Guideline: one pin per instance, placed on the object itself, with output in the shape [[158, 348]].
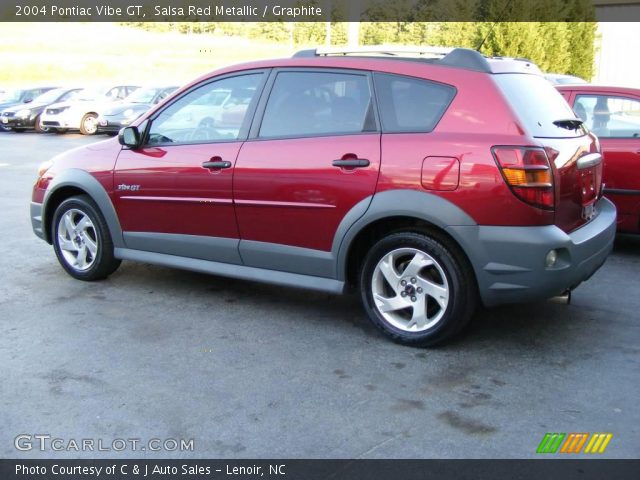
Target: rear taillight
[[528, 173]]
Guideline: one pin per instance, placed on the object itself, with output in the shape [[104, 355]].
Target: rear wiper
[[569, 123]]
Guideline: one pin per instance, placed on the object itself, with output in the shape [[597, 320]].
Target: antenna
[[499, 19]]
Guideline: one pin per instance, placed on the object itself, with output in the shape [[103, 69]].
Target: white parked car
[[82, 112]]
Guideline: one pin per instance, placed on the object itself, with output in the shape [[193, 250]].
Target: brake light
[[42, 169], [527, 171]]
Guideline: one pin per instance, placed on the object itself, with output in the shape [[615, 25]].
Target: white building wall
[[618, 57]]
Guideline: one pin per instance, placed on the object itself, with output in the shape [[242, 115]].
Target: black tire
[[39, 128], [84, 128], [99, 265], [441, 258], [5, 129]]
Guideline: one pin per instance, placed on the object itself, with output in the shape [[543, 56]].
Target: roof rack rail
[[385, 50], [452, 57]]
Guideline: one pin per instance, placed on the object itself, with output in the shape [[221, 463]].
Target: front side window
[[409, 104], [609, 116], [303, 104], [214, 112]]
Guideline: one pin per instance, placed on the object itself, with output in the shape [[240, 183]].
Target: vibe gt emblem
[[130, 188]]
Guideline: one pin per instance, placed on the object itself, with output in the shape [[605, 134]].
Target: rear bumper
[[36, 220], [509, 262]]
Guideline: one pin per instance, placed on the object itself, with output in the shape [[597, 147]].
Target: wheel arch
[[394, 211], [79, 182]]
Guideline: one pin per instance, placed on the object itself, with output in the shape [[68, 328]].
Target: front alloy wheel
[[82, 241], [78, 239], [89, 124]]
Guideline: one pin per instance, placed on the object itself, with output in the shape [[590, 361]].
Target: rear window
[[410, 104], [538, 104]]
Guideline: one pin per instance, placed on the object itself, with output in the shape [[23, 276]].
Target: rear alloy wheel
[[82, 241], [416, 290], [89, 124]]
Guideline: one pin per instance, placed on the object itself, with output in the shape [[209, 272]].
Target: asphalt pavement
[[247, 370]]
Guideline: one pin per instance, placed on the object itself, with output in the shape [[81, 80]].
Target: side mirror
[[28, 100], [129, 137]]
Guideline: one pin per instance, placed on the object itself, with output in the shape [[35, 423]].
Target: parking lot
[[256, 371]]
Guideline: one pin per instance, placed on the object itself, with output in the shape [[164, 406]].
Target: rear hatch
[[573, 152]]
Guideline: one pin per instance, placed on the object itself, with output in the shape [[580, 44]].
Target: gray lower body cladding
[[509, 262], [36, 220]]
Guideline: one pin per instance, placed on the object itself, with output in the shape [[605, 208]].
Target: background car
[[114, 117], [613, 114], [82, 112], [17, 96], [562, 79], [22, 117]]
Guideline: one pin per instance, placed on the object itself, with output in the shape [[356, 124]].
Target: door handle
[[351, 163], [217, 164]]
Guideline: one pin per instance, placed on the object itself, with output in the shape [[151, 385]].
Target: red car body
[[620, 147], [502, 178]]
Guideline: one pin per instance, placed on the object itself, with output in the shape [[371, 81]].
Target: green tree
[[560, 47], [581, 38]]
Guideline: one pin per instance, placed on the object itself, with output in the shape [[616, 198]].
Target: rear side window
[[538, 105], [410, 104], [303, 104]]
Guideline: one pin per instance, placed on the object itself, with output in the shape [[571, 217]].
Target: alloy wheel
[[77, 239], [410, 289]]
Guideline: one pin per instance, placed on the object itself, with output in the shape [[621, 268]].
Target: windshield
[[91, 93], [142, 95], [12, 95], [50, 96], [538, 105]]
